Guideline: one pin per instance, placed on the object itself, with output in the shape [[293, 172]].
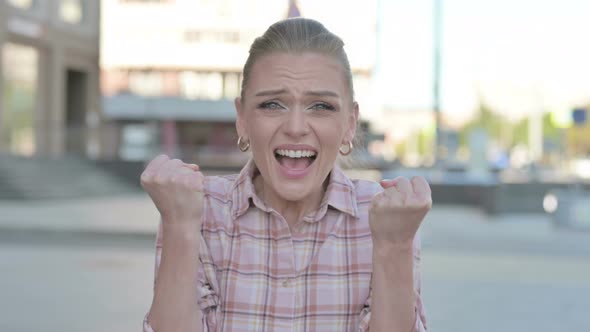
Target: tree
[[494, 124]]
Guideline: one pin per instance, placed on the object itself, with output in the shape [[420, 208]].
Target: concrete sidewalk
[[132, 214], [136, 214], [134, 217]]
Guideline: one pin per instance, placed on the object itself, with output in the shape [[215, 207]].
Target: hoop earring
[[348, 149], [241, 145]]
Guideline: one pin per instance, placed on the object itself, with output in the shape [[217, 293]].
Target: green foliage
[[501, 130], [549, 130], [487, 119]]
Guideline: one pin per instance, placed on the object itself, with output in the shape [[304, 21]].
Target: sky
[[517, 56]]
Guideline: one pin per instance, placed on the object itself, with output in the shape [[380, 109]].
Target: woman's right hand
[[176, 189]]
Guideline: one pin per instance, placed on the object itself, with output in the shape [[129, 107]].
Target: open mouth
[[295, 160]]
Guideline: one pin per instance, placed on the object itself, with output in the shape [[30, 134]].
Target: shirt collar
[[243, 193], [340, 194]]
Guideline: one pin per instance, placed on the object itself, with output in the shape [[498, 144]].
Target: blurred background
[[489, 100]]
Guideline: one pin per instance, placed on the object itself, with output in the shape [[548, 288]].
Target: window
[[71, 11], [231, 85], [20, 65], [206, 86], [23, 4], [195, 36], [146, 83]]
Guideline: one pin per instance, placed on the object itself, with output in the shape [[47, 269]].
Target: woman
[[290, 243]]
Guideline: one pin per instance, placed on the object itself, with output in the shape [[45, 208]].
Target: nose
[[296, 124]]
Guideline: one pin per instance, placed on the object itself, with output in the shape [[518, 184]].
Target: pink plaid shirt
[[258, 275]]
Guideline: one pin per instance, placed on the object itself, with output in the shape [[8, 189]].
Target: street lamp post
[[437, 40]]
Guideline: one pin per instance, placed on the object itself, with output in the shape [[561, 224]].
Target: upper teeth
[[296, 153]]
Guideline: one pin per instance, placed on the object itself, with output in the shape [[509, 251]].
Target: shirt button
[[286, 283]]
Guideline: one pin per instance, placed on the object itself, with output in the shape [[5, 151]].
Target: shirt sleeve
[[420, 323], [207, 293]]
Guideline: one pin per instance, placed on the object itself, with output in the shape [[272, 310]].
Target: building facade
[[170, 69], [49, 78]]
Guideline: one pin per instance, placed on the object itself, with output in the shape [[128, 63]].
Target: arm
[[395, 216], [396, 289], [176, 189], [175, 306]]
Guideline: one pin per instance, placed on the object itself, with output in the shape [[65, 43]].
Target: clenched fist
[[176, 189], [397, 212]]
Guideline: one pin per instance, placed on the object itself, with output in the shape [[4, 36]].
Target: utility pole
[[437, 41], [536, 125]]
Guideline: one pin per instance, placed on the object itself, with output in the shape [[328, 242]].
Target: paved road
[[73, 288], [514, 273]]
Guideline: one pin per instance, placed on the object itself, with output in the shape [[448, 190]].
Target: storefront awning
[[131, 107]]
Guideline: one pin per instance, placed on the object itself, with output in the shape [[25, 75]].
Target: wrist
[[181, 231], [178, 242], [388, 249]]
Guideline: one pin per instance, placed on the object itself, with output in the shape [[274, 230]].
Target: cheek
[[331, 133], [261, 133]]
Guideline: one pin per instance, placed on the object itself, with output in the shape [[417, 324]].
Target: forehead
[[297, 72]]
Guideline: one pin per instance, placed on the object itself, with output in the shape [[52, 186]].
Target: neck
[[292, 211]]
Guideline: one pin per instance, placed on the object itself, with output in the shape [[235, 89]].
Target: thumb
[[388, 183], [194, 167]]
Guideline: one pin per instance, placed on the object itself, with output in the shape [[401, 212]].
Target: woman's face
[[296, 113]]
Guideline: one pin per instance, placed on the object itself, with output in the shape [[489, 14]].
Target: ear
[[240, 119], [352, 121]]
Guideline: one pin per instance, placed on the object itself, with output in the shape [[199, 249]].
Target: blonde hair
[[298, 35]]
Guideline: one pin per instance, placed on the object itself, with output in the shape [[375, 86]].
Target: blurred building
[[170, 70], [578, 135], [49, 77]]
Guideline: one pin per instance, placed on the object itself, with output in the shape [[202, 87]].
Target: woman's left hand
[[396, 213]]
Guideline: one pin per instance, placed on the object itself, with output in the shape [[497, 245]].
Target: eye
[[323, 107], [270, 105]]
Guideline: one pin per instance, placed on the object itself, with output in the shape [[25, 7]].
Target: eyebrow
[[322, 93], [319, 93], [271, 92]]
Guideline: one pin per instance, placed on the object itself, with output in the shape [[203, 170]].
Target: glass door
[[20, 68]]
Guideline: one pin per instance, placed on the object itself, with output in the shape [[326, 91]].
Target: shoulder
[[220, 187], [364, 191], [219, 200]]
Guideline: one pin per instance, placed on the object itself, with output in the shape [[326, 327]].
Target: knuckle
[[418, 180], [160, 179], [379, 202], [377, 196], [403, 182], [177, 179], [181, 171], [145, 177], [144, 183], [159, 157], [389, 191]]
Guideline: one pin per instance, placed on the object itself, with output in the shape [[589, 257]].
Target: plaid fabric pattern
[[258, 275]]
